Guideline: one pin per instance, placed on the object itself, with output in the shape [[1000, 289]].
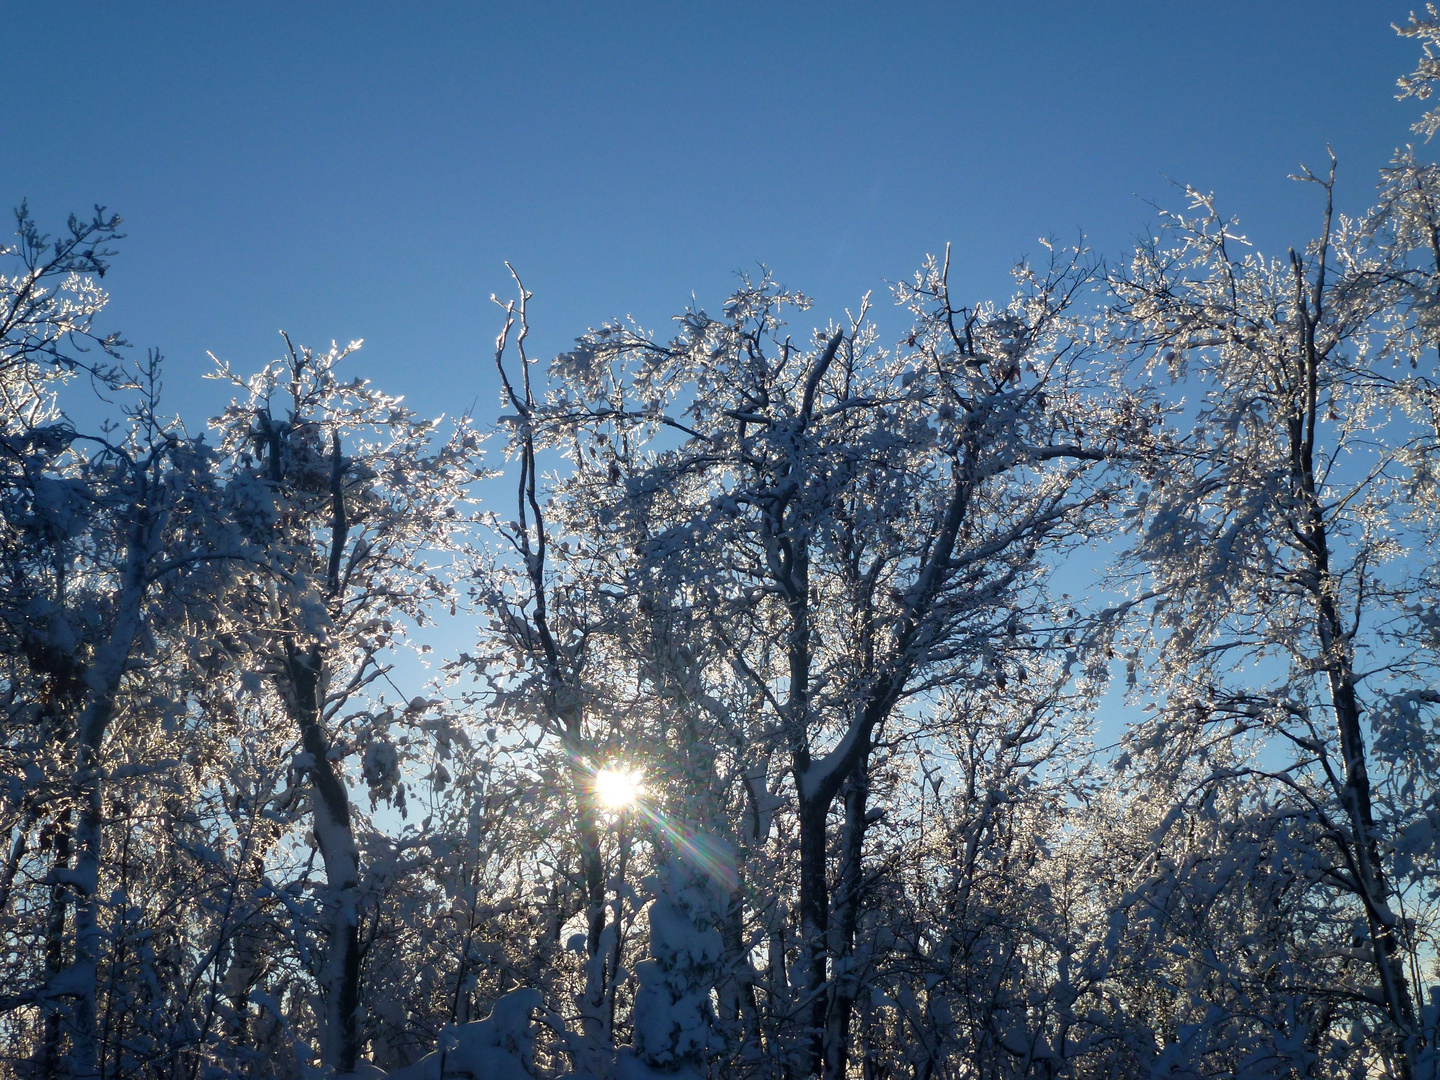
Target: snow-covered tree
[[862, 528], [348, 493], [104, 532], [1284, 552]]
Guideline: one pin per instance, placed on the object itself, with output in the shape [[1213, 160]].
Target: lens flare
[[617, 788]]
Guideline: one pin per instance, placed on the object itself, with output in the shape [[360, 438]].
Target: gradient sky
[[363, 170]]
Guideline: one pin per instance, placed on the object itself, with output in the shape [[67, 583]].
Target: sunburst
[[617, 787]]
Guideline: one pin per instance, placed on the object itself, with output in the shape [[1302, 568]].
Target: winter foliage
[[773, 749]]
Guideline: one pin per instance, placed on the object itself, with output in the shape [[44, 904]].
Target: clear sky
[[363, 169]]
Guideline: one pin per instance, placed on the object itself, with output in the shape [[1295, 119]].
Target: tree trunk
[[1337, 663], [18, 847], [103, 680], [736, 991], [595, 999], [844, 981], [1355, 795], [814, 929], [55, 944], [330, 818]]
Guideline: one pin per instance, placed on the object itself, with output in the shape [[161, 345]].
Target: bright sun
[[617, 788]]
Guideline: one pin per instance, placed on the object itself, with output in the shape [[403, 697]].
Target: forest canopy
[[794, 733]]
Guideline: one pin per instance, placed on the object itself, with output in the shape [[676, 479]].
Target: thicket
[[773, 750]]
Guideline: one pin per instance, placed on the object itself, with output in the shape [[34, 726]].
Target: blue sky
[[362, 170]]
